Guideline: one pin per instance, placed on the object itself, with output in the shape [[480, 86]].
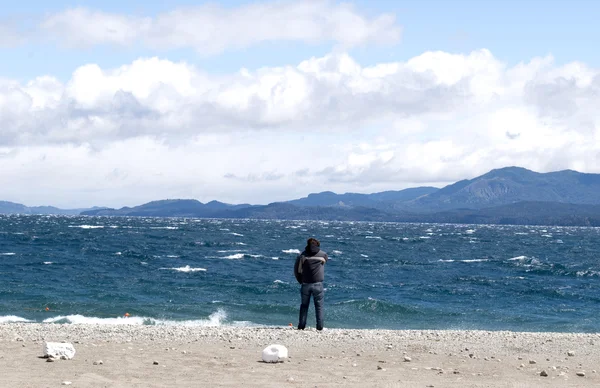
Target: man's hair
[[312, 240]]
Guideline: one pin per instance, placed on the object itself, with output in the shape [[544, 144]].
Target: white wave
[[172, 256], [290, 251], [518, 258], [217, 318], [329, 236], [337, 252], [118, 253], [522, 233], [239, 243], [279, 281], [547, 235], [374, 237], [424, 237], [87, 226], [559, 241], [8, 254], [447, 261], [275, 258], [236, 234], [474, 260], [224, 229], [143, 263], [255, 256], [48, 262], [230, 250], [234, 257], [364, 255], [470, 231], [187, 268], [12, 318], [165, 227]]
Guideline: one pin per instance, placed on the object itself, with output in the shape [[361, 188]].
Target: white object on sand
[[274, 353], [63, 350]]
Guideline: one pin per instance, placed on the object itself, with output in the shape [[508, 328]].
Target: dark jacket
[[310, 267]]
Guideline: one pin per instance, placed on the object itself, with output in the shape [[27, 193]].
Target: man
[[309, 270]]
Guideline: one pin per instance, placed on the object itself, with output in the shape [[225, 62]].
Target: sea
[[221, 272]]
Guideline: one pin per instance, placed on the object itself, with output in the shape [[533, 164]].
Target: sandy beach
[[177, 356]]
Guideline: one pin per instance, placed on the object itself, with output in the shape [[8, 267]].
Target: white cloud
[[212, 29], [158, 129]]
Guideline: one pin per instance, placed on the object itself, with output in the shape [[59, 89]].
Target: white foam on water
[[329, 236], [187, 268], [279, 281], [446, 261], [217, 318], [290, 251], [230, 250], [364, 255], [374, 237], [337, 252], [239, 243], [8, 254], [518, 258], [172, 256], [522, 233], [237, 256], [474, 260], [165, 227], [87, 226], [48, 262], [143, 263], [275, 258], [470, 231], [255, 256], [547, 235], [424, 237], [12, 318], [224, 229], [236, 234], [118, 253]]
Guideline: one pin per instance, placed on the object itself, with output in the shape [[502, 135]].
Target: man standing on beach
[[309, 270]]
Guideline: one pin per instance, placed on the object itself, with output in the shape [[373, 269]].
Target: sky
[[109, 103]]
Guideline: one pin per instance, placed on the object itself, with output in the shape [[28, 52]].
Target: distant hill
[[382, 200], [169, 208], [511, 185], [510, 195], [17, 208]]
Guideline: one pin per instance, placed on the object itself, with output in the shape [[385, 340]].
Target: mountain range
[[510, 195]]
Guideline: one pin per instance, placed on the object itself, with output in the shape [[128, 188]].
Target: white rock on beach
[[64, 351], [274, 353]]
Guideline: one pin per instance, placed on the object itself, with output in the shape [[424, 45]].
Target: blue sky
[[119, 103], [513, 30]]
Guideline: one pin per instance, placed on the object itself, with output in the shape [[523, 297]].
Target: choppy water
[[239, 272]]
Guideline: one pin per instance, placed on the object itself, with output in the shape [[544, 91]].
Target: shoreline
[[231, 356]]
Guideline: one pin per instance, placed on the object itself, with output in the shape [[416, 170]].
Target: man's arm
[[298, 269]]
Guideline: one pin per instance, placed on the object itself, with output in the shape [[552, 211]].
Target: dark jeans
[[316, 290]]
